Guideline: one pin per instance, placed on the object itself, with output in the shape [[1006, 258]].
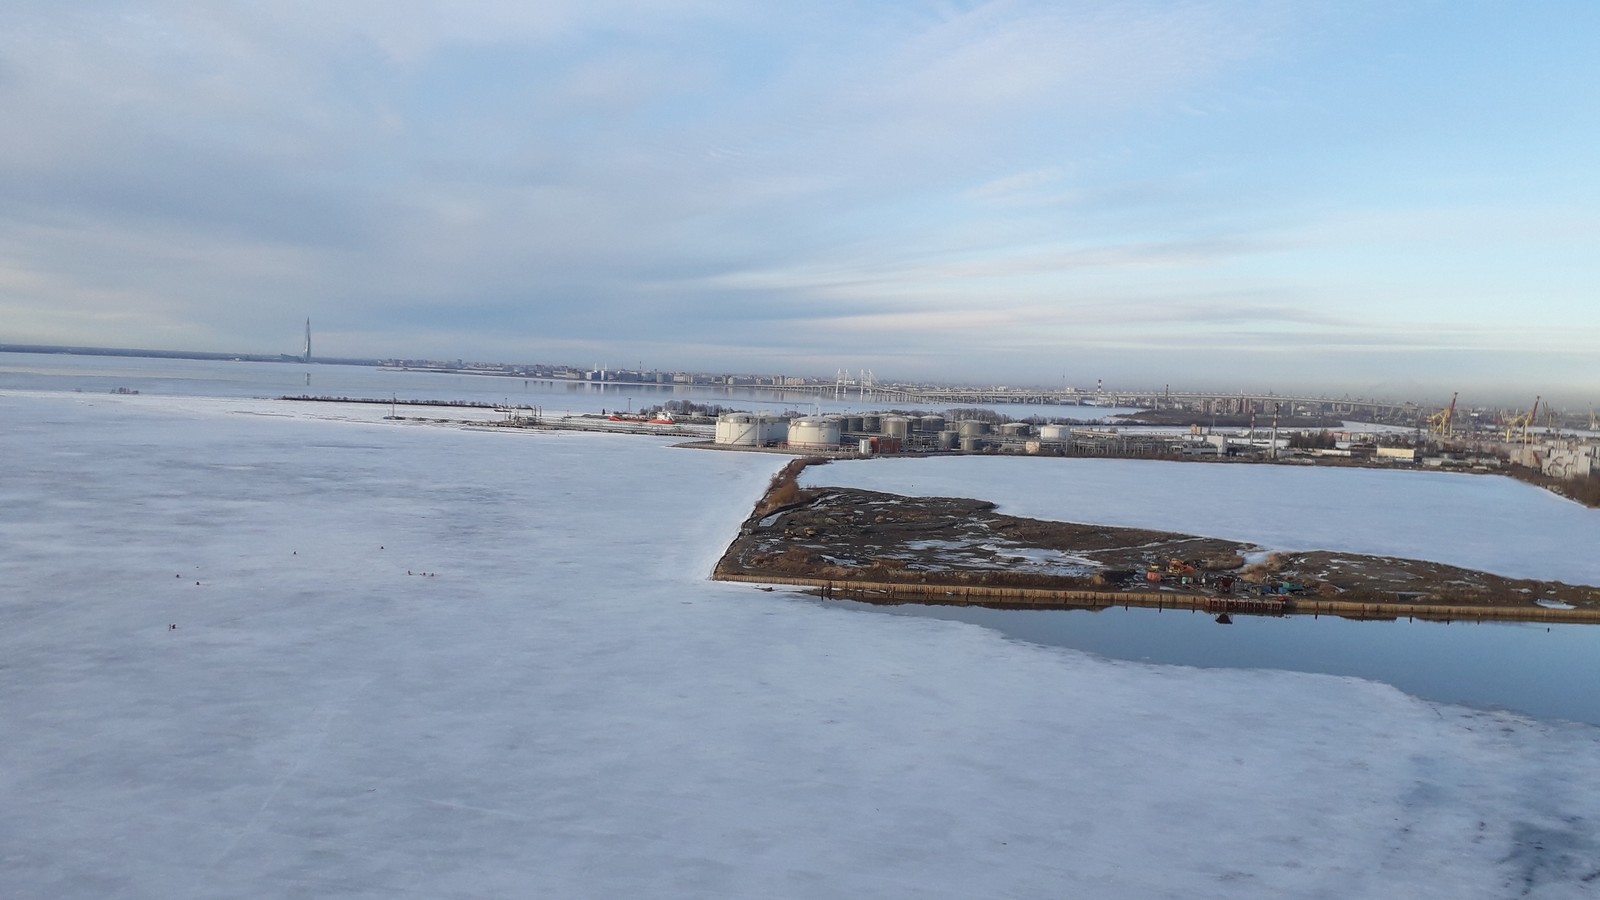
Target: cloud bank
[[1225, 194]]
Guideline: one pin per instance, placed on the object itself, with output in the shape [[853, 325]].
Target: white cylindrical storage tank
[[972, 428], [930, 424], [814, 434], [1053, 432], [771, 430], [896, 426], [738, 429], [1014, 429], [972, 444], [865, 447], [949, 439]]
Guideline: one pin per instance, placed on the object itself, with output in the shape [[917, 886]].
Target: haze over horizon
[[1384, 199]]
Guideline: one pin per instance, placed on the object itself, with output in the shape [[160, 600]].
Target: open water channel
[[1543, 671]]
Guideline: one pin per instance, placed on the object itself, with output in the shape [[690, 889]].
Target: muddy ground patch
[[847, 534]]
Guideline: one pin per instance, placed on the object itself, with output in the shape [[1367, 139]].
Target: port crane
[[1441, 423], [1517, 427]]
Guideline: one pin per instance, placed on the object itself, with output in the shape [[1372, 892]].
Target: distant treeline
[[687, 408], [1321, 440]]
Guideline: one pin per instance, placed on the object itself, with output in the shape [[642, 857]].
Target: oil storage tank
[[814, 434], [1014, 429], [773, 430], [896, 427], [1054, 432], [949, 439], [871, 424], [930, 424], [972, 428], [737, 430], [751, 429]]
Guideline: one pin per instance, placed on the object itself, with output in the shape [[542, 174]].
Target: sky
[[1391, 199]]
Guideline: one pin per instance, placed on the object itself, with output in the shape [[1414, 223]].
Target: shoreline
[[1532, 479], [891, 549], [995, 597]]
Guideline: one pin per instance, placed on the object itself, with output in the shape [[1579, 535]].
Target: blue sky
[[1395, 198]]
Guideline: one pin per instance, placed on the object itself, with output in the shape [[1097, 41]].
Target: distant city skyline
[[622, 376], [1380, 199]]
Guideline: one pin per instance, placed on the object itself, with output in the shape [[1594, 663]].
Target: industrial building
[[1574, 460], [868, 435]]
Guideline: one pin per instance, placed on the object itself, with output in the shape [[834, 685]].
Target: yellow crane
[[1440, 423], [1517, 427]]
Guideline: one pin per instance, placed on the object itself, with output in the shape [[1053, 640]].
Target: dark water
[[1546, 671]]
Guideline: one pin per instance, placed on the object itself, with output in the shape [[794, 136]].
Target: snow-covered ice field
[[567, 708]]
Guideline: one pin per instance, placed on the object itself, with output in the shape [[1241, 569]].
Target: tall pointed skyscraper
[[308, 340]]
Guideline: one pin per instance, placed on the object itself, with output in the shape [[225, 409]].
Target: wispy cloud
[[709, 181]]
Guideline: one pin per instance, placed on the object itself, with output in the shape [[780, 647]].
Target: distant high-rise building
[[308, 340]]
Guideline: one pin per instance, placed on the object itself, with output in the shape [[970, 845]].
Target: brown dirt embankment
[[844, 536]]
